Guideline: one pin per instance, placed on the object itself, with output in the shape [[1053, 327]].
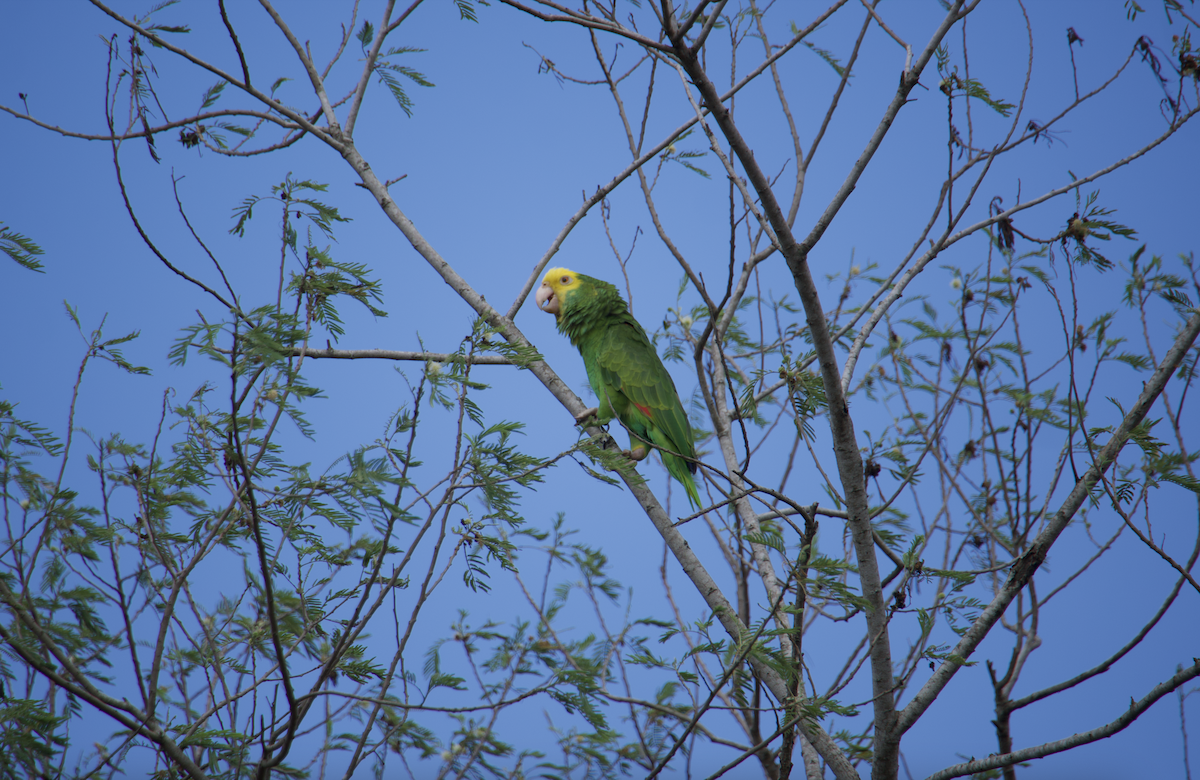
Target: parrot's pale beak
[[546, 300]]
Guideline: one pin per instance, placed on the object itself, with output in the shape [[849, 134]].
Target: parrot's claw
[[583, 416], [636, 453]]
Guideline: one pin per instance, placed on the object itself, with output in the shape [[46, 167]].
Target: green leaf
[[1183, 480], [466, 9], [366, 34], [212, 94], [974, 89], [824, 54], [20, 248]]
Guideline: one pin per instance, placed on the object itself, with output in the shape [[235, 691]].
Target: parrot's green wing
[[638, 387]]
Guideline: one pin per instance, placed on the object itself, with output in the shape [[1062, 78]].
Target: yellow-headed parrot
[[623, 369]]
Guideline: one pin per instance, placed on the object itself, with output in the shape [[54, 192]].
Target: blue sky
[[497, 158]]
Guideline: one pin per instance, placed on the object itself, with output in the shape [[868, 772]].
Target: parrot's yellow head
[[556, 285]]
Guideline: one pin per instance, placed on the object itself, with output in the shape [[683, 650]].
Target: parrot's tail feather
[[682, 471], [693, 494]]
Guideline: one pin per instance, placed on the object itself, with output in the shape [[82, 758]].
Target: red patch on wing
[[642, 408]]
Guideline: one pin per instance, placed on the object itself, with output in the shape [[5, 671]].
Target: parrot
[[623, 369]]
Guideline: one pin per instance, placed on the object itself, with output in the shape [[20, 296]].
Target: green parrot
[[623, 369]]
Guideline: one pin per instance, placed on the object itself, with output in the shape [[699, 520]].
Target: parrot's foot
[[636, 453], [583, 416]]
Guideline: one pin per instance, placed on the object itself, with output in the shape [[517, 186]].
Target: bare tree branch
[[1136, 708], [1031, 560]]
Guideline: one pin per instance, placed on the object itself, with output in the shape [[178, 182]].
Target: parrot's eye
[[565, 280]]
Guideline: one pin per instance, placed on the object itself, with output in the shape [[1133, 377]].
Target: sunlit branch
[[318, 84]]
